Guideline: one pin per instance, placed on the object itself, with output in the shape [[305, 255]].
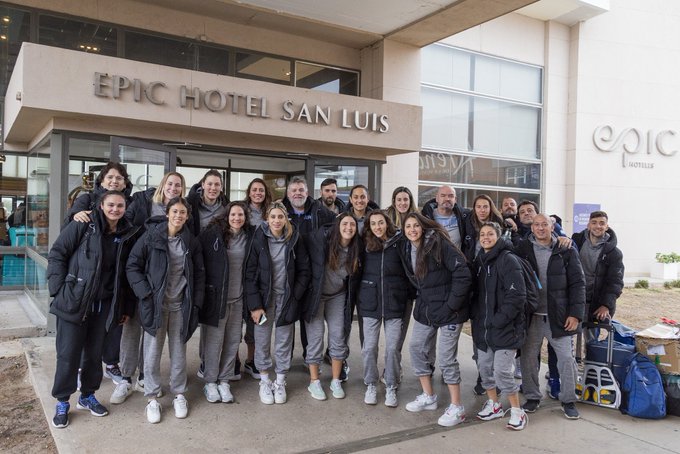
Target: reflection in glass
[[446, 66], [213, 60], [159, 50], [465, 197], [449, 167], [38, 196], [322, 78], [77, 35], [14, 29], [347, 177], [261, 67]]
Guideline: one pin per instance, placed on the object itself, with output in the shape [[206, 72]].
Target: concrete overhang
[[177, 105], [354, 23], [567, 12]]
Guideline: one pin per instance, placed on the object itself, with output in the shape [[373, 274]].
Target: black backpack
[[532, 286]]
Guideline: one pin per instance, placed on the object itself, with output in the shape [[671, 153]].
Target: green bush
[[675, 283], [642, 283], [668, 285], [671, 257]]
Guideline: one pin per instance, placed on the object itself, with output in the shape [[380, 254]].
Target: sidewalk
[[348, 425]]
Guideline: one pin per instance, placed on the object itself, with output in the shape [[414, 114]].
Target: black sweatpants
[[74, 341]]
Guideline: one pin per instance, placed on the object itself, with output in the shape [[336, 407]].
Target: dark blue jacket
[[147, 270], [497, 310], [74, 269], [258, 284]]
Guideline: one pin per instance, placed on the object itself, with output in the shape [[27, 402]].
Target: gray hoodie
[[542, 254], [277, 251]]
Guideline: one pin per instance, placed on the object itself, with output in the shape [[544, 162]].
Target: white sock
[[265, 378], [281, 379]]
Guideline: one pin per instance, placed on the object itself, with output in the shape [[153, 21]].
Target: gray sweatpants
[[171, 324], [221, 344], [369, 351], [132, 347], [566, 365], [283, 340], [332, 310], [497, 369], [422, 340]]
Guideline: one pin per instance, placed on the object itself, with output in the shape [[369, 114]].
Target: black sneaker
[[531, 405], [570, 411], [113, 372], [201, 370], [237, 370], [60, 419], [344, 373], [249, 367], [91, 403]]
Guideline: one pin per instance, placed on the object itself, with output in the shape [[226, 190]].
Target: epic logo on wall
[[632, 142]]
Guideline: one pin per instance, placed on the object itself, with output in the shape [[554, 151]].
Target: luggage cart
[[597, 384]]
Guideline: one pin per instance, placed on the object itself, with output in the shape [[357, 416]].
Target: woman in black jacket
[[153, 202], [86, 277], [277, 276], [383, 296], [226, 244], [166, 272], [483, 210], [441, 275], [207, 200], [498, 323], [334, 252]]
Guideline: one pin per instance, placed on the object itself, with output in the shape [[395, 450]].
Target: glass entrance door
[[348, 174], [146, 162]]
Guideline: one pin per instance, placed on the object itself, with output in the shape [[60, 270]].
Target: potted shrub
[[666, 266]]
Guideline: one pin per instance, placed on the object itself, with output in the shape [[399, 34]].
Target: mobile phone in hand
[[262, 320]]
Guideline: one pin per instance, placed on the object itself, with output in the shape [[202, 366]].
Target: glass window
[[159, 50], [239, 181], [347, 177], [504, 128], [261, 67], [465, 197], [77, 35], [449, 167], [497, 77], [37, 199], [445, 119], [213, 60], [14, 30], [442, 65], [332, 80]]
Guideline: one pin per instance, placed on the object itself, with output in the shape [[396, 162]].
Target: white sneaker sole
[[419, 409]]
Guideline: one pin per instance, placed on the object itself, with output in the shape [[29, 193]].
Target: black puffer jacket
[[444, 293], [608, 273], [147, 269], [462, 215], [139, 209], [75, 266], [318, 254], [315, 216], [259, 276], [385, 289], [339, 204], [194, 199], [215, 256], [89, 200], [566, 285], [497, 310]]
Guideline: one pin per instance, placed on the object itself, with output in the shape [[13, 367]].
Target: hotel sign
[[232, 103], [635, 145]]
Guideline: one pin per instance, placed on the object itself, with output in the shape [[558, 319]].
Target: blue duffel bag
[[596, 351]]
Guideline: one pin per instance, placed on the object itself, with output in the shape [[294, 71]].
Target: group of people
[[128, 272]]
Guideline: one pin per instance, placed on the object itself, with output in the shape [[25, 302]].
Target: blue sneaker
[[60, 419], [554, 388], [91, 403]]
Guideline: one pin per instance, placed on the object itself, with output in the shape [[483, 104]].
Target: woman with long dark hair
[[277, 276], [383, 295], [86, 277], [258, 198], [440, 273], [498, 324], [483, 210], [166, 272], [226, 244], [335, 255], [402, 204]]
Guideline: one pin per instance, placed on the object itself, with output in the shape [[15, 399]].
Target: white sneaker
[[211, 393], [453, 415], [490, 410], [316, 390], [122, 391], [153, 411], [336, 389], [266, 394], [518, 419], [371, 396], [139, 385], [391, 396], [181, 406], [225, 392], [422, 402], [280, 396]]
